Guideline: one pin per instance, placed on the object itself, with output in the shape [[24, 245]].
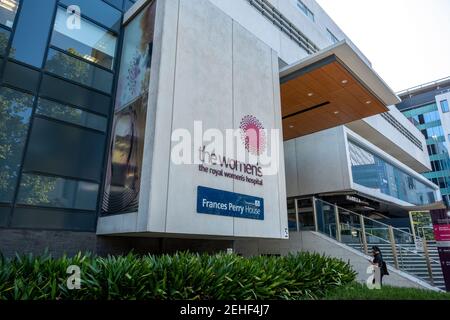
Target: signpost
[[441, 227]]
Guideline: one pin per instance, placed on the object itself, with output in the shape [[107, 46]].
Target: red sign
[[442, 232], [441, 226]]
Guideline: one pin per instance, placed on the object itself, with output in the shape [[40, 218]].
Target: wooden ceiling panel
[[324, 97]]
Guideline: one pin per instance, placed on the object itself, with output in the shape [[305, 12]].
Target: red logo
[[253, 135]]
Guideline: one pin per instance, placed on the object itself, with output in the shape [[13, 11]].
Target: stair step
[[411, 260]]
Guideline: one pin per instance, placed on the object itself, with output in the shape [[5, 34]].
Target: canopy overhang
[[333, 87]]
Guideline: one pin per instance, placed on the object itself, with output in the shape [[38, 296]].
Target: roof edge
[[347, 53]]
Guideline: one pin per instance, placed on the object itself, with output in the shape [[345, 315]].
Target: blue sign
[[230, 204]]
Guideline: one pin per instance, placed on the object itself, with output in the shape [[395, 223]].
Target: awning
[[330, 88], [433, 206]]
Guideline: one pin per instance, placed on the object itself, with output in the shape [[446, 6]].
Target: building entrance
[[301, 214]]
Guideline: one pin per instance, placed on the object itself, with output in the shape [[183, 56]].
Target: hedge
[[183, 276]]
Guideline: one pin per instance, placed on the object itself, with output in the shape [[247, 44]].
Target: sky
[[407, 41]]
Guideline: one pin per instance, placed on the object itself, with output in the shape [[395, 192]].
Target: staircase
[[361, 233], [412, 261]]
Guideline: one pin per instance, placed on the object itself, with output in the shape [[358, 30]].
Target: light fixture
[[10, 5], [336, 112], [291, 127], [310, 94], [344, 81], [368, 102]]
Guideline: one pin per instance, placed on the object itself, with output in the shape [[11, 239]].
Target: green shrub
[[180, 276]]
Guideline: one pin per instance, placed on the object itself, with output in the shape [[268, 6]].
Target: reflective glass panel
[[57, 192], [4, 38], [90, 41], [32, 31], [98, 11], [372, 171], [79, 71], [444, 106], [72, 115], [8, 10], [64, 150], [38, 218], [79, 96], [15, 112]]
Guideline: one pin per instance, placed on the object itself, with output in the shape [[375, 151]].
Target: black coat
[[378, 260]]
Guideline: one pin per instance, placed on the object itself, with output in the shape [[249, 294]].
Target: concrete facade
[[321, 162], [206, 67]]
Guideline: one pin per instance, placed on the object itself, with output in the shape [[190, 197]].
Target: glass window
[[372, 171], [32, 31], [57, 192], [8, 10], [440, 147], [90, 41], [116, 3], [444, 106], [4, 38], [433, 132], [72, 115], [128, 4], [79, 71], [63, 150], [53, 219], [305, 10], [421, 110], [21, 76], [430, 117], [15, 112], [98, 11], [52, 87], [332, 37], [4, 215]]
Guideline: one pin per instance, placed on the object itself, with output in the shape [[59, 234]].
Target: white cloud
[[407, 41]]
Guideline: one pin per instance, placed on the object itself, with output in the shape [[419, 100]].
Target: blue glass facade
[[427, 119], [56, 108], [372, 171]]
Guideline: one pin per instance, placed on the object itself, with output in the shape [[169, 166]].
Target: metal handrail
[[398, 245], [398, 250], [384, 224], [423, 232], [405, 91], [359, 215]]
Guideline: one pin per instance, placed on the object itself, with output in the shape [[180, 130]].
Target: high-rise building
[[427, 107]]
